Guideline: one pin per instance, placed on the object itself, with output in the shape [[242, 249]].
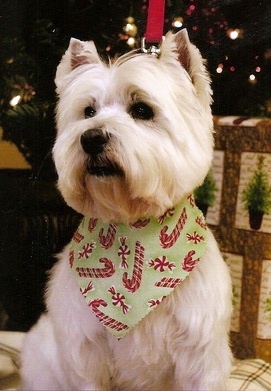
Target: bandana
[[125, 271]]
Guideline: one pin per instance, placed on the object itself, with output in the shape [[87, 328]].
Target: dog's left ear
[[178, 45], [78, 53]]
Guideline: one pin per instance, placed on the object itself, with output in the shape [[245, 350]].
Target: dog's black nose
[[93, 141]]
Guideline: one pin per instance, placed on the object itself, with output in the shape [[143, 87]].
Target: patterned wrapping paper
[[240, 142]]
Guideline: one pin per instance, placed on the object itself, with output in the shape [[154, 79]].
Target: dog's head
[[134, 137]]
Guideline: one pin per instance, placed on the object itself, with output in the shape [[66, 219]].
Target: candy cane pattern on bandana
[[118, 300], [92, 224], [168, 213], [191, 200], [168, 282], [188, 262], [201, 222], [88, 288], [168, 240], [71, 258], [105, 319], [132, 284], [77, 237], [154, 303], [123, 252], [106, 241], [140, 223], [105, 272]]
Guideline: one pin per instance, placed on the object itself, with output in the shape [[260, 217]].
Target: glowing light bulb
[[252, 79], [219, 68], [177, 22], [131, 41], [234, 34], [14, 101], [130, 27]]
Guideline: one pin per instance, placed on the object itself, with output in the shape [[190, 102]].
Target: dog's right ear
[[78, 53]]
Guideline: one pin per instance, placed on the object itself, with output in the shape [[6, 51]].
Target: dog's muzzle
[[94, 143]]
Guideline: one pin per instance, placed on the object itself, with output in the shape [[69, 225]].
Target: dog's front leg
[[198, 371], [50, 364], [40, 364]]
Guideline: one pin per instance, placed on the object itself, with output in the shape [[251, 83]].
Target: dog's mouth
[[104, 169]]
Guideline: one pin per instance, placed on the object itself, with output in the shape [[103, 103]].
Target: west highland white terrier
[[141, 297]]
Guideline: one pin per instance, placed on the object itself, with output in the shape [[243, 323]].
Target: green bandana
[[124, 272]]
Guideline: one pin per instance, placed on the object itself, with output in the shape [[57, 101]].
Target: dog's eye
[[141, 110], [89, 112]]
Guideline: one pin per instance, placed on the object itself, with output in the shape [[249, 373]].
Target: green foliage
[[257, 194], [206, 193], [28, 73]]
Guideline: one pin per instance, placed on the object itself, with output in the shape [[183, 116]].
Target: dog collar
[[125, 271]]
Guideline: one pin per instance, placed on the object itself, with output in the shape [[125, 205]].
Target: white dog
[[141, 298]]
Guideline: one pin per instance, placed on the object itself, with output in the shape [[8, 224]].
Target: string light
[[219, 68], [130, 27], [235, 33], [15, 100], [177, 22], [215, 22], [130, 30], [252, 79], [131, 41]]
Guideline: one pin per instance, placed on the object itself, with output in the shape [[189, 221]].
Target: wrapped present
[[242, 174]]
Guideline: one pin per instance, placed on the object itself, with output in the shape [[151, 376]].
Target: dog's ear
[[78, 53], [190, 58]]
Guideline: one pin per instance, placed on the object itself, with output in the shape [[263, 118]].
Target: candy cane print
[[132, 284], [88, 288], [71, 258], [77, 237], [191, 200], [168, 282], [92, 224], [140, 223], [168, 213], [108, 240], [118, 300], [168, 240], [105, 319], [201, 222], [106, 272], [123, 252]]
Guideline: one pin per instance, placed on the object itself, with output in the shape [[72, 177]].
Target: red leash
[[155, 21], [155, 26]]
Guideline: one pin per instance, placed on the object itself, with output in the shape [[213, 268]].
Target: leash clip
[[151, 48]]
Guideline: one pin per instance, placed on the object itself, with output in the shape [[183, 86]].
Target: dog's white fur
[[183, 344]]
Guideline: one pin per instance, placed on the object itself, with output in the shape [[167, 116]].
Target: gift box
[[243, 153]]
